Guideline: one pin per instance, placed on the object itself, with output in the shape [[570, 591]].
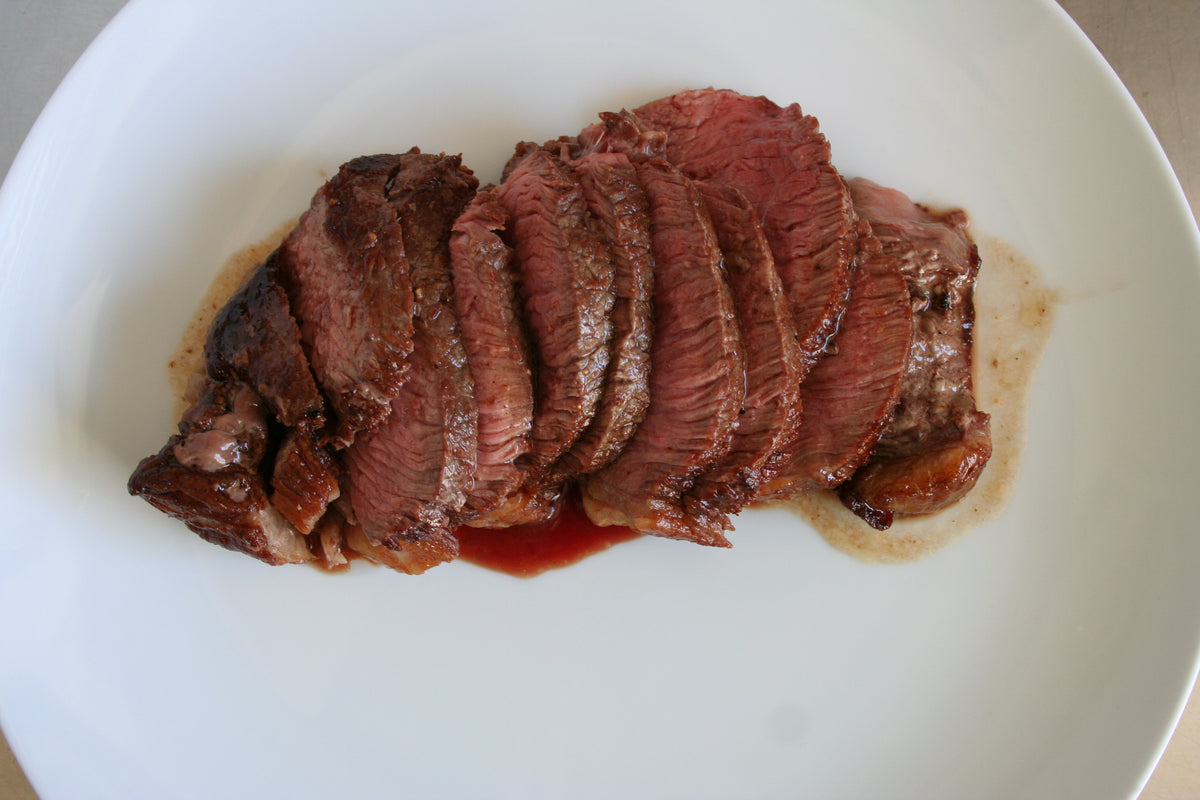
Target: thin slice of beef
[[485, 296], [209, 476], [406, 480], [348, 283], [771, 413], [937, 442], [565, 270], [779, 159], [697, 376], [616, 200], [850, 394], [255, 339]]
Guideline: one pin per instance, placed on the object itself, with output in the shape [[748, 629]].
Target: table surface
[[1152, 44]]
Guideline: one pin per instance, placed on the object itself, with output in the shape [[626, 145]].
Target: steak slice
[[406, 480], [770, 415], [348, 282], [485, 297], [208, 476], [697, 376], [779, 159], [617, 202], [937, 442], [255, 340], [565, 270], [850, 394]]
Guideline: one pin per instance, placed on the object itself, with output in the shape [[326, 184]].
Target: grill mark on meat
[[565, 270], [937, 442], [850, 394], [407, 479], [780, 160], [208, 476], [771, 413], [348, 283], [697, 376], [486, 300]]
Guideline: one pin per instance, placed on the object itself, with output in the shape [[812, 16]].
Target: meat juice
[[1014, 311], [528, 550]]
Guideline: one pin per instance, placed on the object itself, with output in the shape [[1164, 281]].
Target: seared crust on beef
[[208, 476], [344, 270], [771, 412], [937, 443], [485, 297], [255, 339], [850, 394], [780, 160], [407, 479], [697, 378]]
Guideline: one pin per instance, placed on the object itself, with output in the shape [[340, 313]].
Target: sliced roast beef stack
[[681, 311]]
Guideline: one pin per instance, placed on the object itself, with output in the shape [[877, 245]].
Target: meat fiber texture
[[682, 310]]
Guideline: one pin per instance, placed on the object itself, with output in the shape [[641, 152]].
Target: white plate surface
[[1046, 655]]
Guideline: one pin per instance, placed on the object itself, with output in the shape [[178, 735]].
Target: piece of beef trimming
[[209, 476], [937, 442], [697, 376]]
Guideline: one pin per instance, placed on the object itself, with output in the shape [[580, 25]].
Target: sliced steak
[[770, 415], [697, 376], [407, 479], [779, 159], [616, 200], [347, 279], [937, 442], [565, 270], [850, 394], [209, 477], [485, 296], [255, 339]]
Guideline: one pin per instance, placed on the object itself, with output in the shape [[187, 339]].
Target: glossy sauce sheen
[[529, 550]]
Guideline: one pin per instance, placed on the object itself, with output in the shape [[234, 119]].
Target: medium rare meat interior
[[678, 312]]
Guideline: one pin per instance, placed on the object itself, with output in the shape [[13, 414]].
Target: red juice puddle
[[529, 550]]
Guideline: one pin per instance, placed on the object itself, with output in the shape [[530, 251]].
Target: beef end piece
[[938, 442], [697, 375], [778, 158], [208, 476]]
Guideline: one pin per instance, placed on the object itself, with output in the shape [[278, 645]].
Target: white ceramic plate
[[1044, 656]]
